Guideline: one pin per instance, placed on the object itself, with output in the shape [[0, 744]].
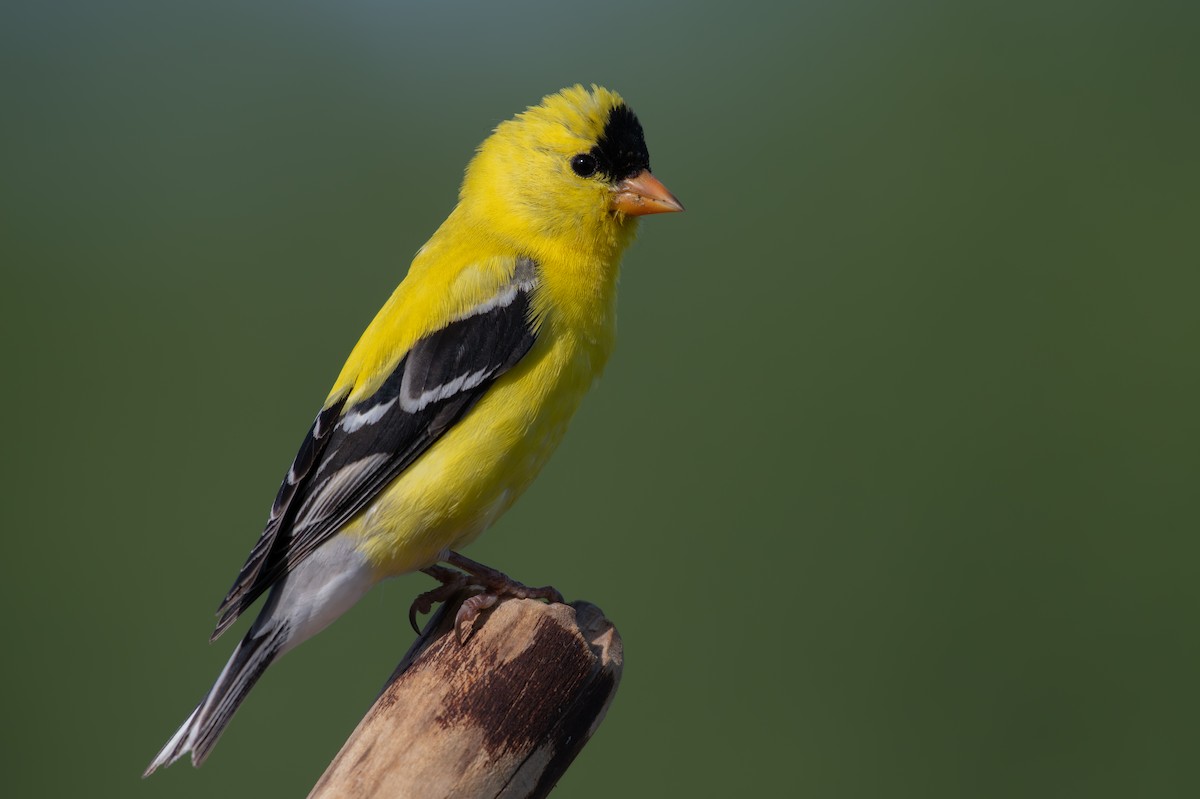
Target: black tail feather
[[199, 733]]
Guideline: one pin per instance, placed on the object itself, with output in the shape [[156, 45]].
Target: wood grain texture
[[502, 715]]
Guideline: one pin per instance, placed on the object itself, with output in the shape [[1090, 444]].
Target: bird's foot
[[451, 583], [494, 585]]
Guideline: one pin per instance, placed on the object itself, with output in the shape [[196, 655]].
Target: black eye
[[584, 165]]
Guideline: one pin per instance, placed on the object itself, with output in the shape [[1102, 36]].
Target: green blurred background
[[890, 487]]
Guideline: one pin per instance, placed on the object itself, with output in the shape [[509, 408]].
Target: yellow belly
[[479, 468]]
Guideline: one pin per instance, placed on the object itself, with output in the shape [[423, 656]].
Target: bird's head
[[573, 170]]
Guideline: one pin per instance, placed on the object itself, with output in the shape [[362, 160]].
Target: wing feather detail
[[352, 453]]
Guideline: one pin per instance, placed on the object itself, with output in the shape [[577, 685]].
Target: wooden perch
[[502, 715]]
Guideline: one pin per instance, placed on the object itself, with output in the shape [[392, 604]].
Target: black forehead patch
[[621, 150]]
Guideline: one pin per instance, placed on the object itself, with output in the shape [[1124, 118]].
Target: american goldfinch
[[458, 391]]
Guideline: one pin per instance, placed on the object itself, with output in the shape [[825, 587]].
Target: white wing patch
[[460, 383], [356, 419], [523, 281], [501, 300]]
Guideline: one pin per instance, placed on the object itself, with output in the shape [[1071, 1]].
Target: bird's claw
[[468, 612], [452, 583], [494, 585], [472, 606]]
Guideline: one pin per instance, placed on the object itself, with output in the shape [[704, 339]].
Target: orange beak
[[643, 194]]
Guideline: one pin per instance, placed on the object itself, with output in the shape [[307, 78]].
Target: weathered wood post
[[502, 715]]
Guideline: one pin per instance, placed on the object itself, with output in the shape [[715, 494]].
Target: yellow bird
[[456, 394]]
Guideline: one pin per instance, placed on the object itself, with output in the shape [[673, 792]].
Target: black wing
[[351, 454]]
